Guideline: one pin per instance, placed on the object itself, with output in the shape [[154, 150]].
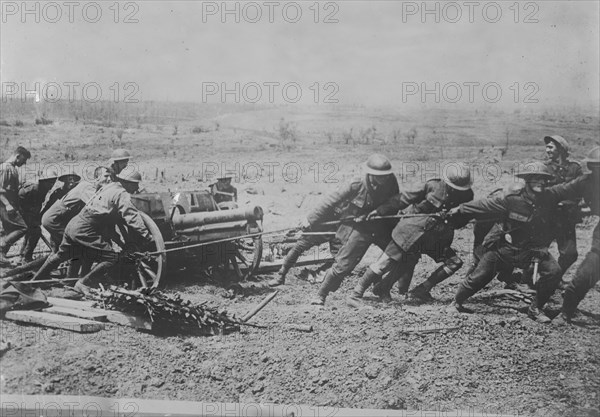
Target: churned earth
[[496, 360]]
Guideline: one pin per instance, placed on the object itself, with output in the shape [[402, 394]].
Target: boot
[[536, 313], [73, 269], [52, 262], [365, 282], [5, 243], [100, 269], [280, 280], [330, 283], [570, 303], [422, 292], [462, 294]]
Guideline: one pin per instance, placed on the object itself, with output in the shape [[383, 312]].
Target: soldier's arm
[[328, 204], [4, 180], [484, 208], [131, 216], [402, 200], [571, 190]]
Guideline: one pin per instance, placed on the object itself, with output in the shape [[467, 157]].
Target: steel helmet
[[457, 176], [535, 169], [120, 155], [593, 158], [130, 176], [558, 140], [378, 164], [51, 175], [65, 177]]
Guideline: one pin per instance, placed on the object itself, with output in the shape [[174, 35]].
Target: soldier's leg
[[105, 262], [567, 247], [549, 279], [301, 246], [373, 273], [350, 254], [34, 233], [451, 263], [484, 273], [403, 274], [65, 252], [585, 278], [14, 229]]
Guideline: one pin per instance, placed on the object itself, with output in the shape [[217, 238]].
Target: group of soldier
[[514, 227], [80, 216]]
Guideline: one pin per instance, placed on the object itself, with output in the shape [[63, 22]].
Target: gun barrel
[[190, 220]]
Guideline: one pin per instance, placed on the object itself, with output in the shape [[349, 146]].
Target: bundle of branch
[[507, 293], [168, 313]]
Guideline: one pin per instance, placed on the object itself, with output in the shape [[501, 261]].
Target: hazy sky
[[375, 51]]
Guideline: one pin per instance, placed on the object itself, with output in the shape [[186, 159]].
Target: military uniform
[[527, 229], [414, 236], [87, 236], [587, 274], [13, 225], [567, 214], [355, 199], [56, 218], [31, 199]]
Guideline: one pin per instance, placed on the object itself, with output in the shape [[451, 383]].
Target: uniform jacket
[[56, 218], [30, 201], [353, 199], [95, 225], [356, 198], [9, 183], [528, 221], [568, 210], [430, 197]]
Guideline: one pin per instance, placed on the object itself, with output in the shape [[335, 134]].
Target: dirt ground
[[496, 360]]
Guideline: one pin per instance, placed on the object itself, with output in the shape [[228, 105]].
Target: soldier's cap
[[559, 140], [65, 177], [378, 164], [120, 155], [593, 158], [130, 176], [52, 175], [457, 176], [535, 169]]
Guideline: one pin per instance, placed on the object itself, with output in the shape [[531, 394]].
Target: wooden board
[[112, 316], [74, 312], [52, 320]]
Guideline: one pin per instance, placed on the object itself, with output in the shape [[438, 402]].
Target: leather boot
[[5, 243], [422, 292], [462, 294], [536, 313], [52, 262], [280, 280], [365, 282], [100, 269], [330, 283], [570, 302]]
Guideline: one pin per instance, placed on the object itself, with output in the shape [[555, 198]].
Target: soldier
[[88, 235], [587, 274], [417, 235], [65, 183], [31, 199], [13, 225], [568, 213], [223, 192], [357, 199], [527, 230], [118, 161], [56, 218]]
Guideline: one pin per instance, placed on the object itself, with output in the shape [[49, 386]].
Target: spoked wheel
[[248, 253], [148, 272]]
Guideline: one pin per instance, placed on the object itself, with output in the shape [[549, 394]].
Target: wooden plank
[[59, 322], [112, 316], [74, 312]]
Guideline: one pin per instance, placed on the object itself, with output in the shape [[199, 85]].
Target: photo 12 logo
[[54, 92], [469, 92], [470, 11], [269, 92], [269, 11], [69, 11]]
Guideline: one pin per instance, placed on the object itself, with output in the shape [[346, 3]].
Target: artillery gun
[[193, 227]]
